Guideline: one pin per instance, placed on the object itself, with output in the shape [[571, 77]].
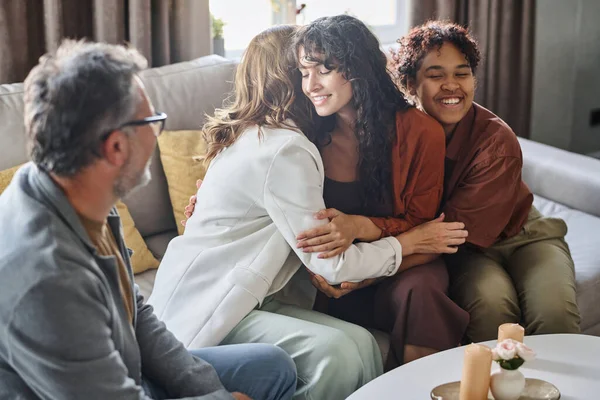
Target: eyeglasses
[[156, 121]]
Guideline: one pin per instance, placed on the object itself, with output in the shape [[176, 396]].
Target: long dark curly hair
[[346, 44]]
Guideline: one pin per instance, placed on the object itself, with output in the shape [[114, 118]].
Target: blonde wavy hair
[[267, 91]]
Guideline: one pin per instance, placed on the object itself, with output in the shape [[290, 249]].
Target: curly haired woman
[[384, 174], [516, 266]]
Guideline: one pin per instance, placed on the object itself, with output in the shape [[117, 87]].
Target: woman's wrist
[[408, 243], [364, 229]]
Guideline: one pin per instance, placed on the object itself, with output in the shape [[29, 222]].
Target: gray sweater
[[64, 330]]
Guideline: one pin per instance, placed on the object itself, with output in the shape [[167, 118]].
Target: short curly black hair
[[415, 45]]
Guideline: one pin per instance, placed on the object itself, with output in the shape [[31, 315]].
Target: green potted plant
[[217, 34]]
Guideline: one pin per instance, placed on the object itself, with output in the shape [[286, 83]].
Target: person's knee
[[340, 370], [362, 338], [418, 291], [282, 365], [368, 349], [423, 288], [486, 291], [276, 357], [490, 301], [426, 278], [286, 375], [273, 367], [499, 303], [556, 312], [342, 350]]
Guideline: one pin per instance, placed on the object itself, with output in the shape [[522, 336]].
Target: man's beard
[[129, 180]]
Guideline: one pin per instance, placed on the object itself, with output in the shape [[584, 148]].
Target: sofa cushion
[[145, 281], [177, 152], [160, 241], [6, 176], [13, 149], [142, 259], [582, 237]]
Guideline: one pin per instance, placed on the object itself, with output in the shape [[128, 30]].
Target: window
[[386, 18], [244, 19]]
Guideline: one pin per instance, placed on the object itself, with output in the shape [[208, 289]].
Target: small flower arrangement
[[510, 354]]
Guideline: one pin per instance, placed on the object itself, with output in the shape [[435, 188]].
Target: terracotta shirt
[[483, 186], [417, 172]]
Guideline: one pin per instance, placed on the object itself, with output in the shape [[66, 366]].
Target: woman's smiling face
[[445, 86], [328, 89]]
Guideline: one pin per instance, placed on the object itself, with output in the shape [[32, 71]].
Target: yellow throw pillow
[[6, 176], [142, 258], [177, 152]]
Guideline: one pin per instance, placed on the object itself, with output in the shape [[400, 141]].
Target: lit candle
[[511, 331], [477, 365]]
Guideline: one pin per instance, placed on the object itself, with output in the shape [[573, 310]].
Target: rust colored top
[[483, 186], [417, 172]]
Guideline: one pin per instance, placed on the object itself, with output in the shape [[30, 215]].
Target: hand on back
[[189, 209]]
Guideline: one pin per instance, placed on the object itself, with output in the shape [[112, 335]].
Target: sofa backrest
[[12, 131], [186, 91], [561, 176]]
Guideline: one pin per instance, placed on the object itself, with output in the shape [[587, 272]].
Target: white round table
[[569, 362]]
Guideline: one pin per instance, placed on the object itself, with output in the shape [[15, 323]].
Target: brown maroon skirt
[[412, 306]]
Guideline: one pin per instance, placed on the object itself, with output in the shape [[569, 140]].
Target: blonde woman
[[235, 276]]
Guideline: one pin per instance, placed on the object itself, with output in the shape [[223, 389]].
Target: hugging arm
[[293, 193], [423, 202]]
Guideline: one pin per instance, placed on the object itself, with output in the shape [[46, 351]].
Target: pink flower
[[505, 350], [526, 353]]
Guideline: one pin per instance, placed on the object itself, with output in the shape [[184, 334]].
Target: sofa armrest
[[564, 177]]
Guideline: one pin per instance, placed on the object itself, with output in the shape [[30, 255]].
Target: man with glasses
[[73, 324]]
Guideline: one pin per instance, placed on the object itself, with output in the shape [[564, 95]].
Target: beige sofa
[[565, 184]]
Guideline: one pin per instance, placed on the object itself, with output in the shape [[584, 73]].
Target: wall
[[566, 81]]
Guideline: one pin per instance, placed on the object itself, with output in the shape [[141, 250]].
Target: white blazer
[[240, 244]]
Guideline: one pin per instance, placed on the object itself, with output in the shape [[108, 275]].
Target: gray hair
[[74, 97]]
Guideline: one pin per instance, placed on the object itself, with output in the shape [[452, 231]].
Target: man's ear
[[116, 148]]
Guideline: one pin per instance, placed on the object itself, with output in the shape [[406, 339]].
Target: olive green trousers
[[527, 279]]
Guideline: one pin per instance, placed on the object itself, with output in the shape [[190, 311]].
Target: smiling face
[[445, 86], [327, 89]]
